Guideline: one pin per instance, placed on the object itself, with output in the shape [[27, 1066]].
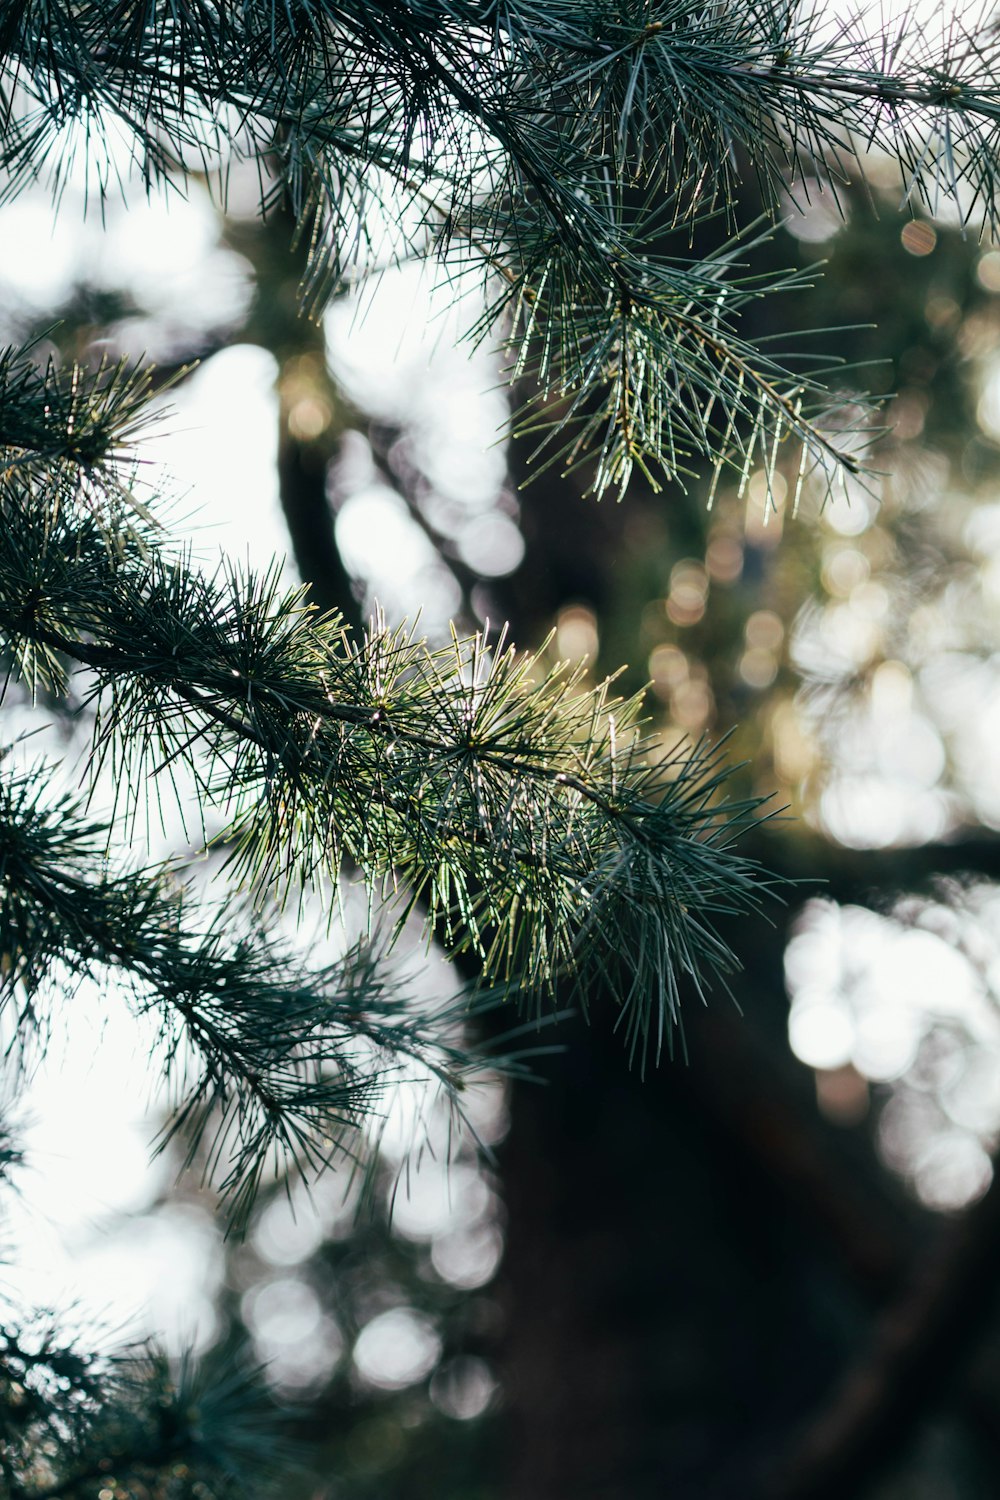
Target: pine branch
[[529, 145], [71, 1421], [88, 424], [519, 809], [522, 814], [272, 1062]]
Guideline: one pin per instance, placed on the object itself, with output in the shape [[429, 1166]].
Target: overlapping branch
[[554, 151], [520, 810]]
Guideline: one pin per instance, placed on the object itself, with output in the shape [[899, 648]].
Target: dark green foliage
[[74, 1423], [521, 813], [81, 429], [555, 151]]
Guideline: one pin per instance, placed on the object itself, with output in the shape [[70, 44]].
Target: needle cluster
[[561, 153], [517, 808], [74, 1423]]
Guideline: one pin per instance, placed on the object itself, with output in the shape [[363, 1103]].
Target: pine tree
[[565, 157]]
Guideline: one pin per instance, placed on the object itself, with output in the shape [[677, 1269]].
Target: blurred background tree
[[770, 1271]]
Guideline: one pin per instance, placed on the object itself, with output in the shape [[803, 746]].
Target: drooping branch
[[521, 810], [551, 153]]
